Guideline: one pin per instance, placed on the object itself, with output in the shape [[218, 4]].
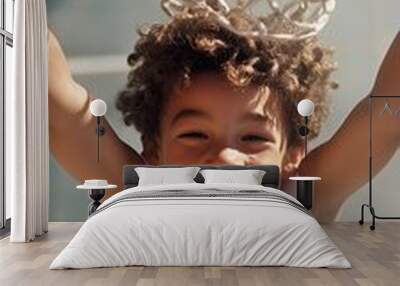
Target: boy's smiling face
[[211, 122]]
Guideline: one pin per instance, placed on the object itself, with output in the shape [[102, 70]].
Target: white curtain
[[27, 147]]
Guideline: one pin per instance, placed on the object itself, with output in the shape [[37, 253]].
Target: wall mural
[[220, 82]]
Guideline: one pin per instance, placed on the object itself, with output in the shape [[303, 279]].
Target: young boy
[[202, 94]]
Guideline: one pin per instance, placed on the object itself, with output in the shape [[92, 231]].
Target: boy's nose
[[229, 156]]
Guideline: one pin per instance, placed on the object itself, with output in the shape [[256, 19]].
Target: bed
[[201, 224]]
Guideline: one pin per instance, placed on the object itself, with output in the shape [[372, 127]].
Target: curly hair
[[169, 54]]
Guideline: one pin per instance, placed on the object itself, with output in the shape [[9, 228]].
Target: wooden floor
[[375, 257]]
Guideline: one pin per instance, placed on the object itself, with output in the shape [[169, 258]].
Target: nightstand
[[96, 190], [305, 190]]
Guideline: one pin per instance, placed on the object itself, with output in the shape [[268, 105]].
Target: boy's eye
[[193, 135], [254, 138]]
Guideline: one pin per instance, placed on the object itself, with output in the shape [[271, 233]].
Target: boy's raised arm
[[72, 127], [343, 161]]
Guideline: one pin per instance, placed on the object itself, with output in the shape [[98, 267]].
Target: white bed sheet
[[200, 232]]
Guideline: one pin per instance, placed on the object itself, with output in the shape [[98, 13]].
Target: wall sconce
[[305, 108], [98, 108]]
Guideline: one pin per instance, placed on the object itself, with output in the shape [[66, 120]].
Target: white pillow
[[247, 177], [163, 176]]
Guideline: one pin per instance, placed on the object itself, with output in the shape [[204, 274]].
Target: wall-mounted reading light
[[98, 108], [305, 108]]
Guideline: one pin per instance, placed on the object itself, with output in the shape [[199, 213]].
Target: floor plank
[[375, 257]]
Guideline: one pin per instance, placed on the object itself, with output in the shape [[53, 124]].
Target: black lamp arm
[[306, 137], [100, 131], [303, 131]]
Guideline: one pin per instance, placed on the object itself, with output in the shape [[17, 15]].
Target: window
[[9, 15], [6, 66]]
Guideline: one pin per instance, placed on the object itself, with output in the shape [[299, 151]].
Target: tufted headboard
[[271, 177]]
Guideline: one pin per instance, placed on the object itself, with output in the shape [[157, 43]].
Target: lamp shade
[[98, 107], [305, 108]]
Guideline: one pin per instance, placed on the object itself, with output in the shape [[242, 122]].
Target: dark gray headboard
[[271, 177]]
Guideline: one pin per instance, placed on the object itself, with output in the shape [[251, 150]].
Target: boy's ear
[[292, 160], [151, 151]]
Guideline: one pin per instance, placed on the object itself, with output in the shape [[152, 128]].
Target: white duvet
[[200, 231]]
